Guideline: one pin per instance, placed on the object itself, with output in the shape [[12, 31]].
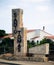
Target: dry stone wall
[[40, 49]]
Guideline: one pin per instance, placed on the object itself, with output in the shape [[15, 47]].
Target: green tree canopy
[[31, 43], [43, 41], [7, 44], [2, 33]]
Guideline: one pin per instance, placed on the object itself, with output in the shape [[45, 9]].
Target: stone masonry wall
[[40, 49]]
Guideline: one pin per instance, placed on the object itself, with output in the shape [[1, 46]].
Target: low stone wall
[[40, 52], [40, 49]]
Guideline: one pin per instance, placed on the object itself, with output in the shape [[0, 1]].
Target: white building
[[38, 34]]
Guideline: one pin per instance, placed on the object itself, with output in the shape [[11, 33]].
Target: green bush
[[31, 44], [7, 44], [2, 33], [43, 41]]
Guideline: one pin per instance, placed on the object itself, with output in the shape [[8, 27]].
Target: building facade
[[38, 35]]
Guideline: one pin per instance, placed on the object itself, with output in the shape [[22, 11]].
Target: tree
[[28, 44], [43, 41], [7, 45], [33, 43], [2, 33]]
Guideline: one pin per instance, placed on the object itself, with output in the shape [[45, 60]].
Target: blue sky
[[36, 14]]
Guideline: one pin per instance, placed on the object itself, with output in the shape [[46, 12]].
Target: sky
[[36, 14]]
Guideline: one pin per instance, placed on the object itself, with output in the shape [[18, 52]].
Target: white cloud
[[35, 0], [42, 8]]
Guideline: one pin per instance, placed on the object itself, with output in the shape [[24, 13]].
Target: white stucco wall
[[35, 33], [42, 35]]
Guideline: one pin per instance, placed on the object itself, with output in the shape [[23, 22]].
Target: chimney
[[43, 27]]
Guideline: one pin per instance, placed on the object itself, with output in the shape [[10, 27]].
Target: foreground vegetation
[[7, 44]]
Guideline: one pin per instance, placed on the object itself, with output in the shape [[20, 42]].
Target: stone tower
[[19, 33]]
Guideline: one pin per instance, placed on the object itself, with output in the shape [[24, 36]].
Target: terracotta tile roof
[[35, 37], [49, 37], [31, 30], [7, 36]]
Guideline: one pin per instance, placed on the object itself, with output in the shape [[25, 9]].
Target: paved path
[[24, 63]]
